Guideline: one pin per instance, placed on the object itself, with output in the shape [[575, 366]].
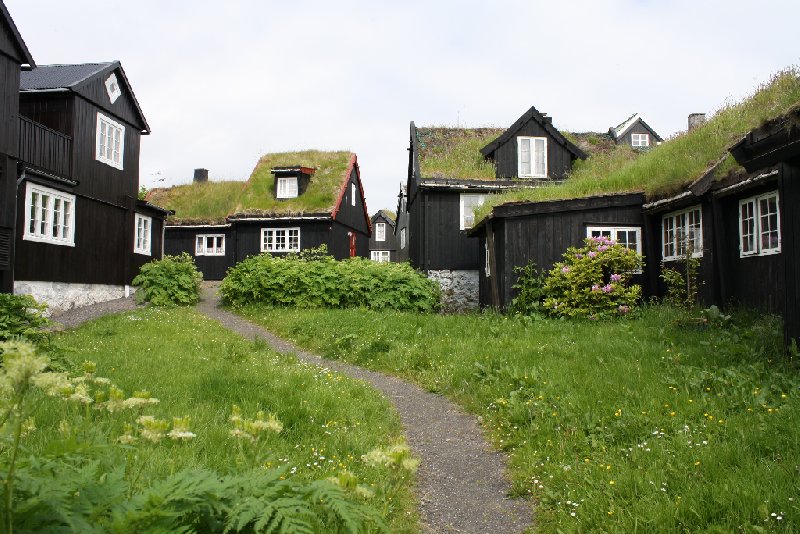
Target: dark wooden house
[[80, 232], [292, 202], [517, 233], [634, 132], [14, 55], [401, 225], [448, 177], [383, 243]]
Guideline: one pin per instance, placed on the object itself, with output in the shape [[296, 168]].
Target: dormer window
[[640, 140], [112, 88], [380, 231], [532, 157], [287, 187]]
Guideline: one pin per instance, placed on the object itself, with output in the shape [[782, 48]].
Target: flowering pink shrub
[[593, 281]]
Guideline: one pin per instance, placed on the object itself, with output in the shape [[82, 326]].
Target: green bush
[[593, 281], [315, 280], [530, 285], [170, 281], [21, 316]]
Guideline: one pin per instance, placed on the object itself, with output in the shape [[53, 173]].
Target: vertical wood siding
[[559, 159], [790, 233], [9, 105], [178, 240]]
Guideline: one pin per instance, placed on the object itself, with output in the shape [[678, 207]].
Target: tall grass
[[677, 162], [455, 152], [622, 426], [196, 368]]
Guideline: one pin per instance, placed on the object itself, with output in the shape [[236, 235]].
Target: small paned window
[[287, 187], [110, 141], [381, 256], [532, 157], [50, 216], [210, 245], [280, 239], [402, 238], [682, 230], [353, 194], [640, 140], [759, 225], [628, 236], [468, 204], [141, 243], [380, 231]]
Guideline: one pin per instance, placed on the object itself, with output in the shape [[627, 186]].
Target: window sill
[[48, 241]]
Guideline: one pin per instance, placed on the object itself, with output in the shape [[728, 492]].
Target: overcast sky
[[223, 82]]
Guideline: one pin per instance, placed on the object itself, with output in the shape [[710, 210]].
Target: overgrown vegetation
[[681, 279], [213, 201], [455, 152], [675, 163], [229, 436], [593, 281], [22, 317], [173, 280], [615, 426], [314, 280]]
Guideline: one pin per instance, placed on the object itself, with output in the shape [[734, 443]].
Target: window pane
[[198, 246], [34, 212], [525, 157], [539, 157]]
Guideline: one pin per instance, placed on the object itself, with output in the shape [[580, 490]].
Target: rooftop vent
[[696, 120], [200, 175]]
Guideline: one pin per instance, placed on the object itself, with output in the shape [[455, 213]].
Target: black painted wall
[[559, 159], [544, 236], [790, 233], [390, 243], [179, 239], [437, 241]]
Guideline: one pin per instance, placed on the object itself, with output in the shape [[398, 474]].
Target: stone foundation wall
[[60, 296], [459, 289]]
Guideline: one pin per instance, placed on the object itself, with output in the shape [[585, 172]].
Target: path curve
[[461, 483]]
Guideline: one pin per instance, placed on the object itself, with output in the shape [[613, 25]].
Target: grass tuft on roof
[[666, 169], [455, 152], [213, 201]]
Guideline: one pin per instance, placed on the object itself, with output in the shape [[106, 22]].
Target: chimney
[[696, 120], [200, 175]]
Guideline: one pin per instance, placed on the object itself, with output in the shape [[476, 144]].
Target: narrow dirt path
[[461, 483]]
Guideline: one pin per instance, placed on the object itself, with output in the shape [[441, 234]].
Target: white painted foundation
[[60, 296], [459, 289]]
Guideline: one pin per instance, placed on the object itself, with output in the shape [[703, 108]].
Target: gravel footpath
[[77, 316], [461, 483]]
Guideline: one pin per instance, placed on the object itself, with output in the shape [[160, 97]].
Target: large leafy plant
[[315, 280], [593, 281], [171, 281], [21, 317]]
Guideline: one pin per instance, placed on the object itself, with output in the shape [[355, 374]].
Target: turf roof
[[212, 202], [666, 169], [455, 152]]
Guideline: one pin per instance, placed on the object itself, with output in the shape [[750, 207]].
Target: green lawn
[[198, 369], [646, 424]]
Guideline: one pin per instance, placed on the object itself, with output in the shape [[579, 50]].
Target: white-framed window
[[469, 201], [487, 268], [141, 243], [532, 157], [759, 225], [381, 256], [682, 229], [110, 141], [640, 139], [49, 216], [209, 245], [629, 236], [112, 88], [287, 187], [402, 238], [353, 194], [380, 231], [280, 240]]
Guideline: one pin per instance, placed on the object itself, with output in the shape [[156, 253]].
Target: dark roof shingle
[[59, 76]]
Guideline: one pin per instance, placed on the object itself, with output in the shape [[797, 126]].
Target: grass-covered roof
[[212, 202], [669, 167], [455, 152]]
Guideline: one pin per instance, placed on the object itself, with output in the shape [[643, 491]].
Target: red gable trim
[[343, 189]]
